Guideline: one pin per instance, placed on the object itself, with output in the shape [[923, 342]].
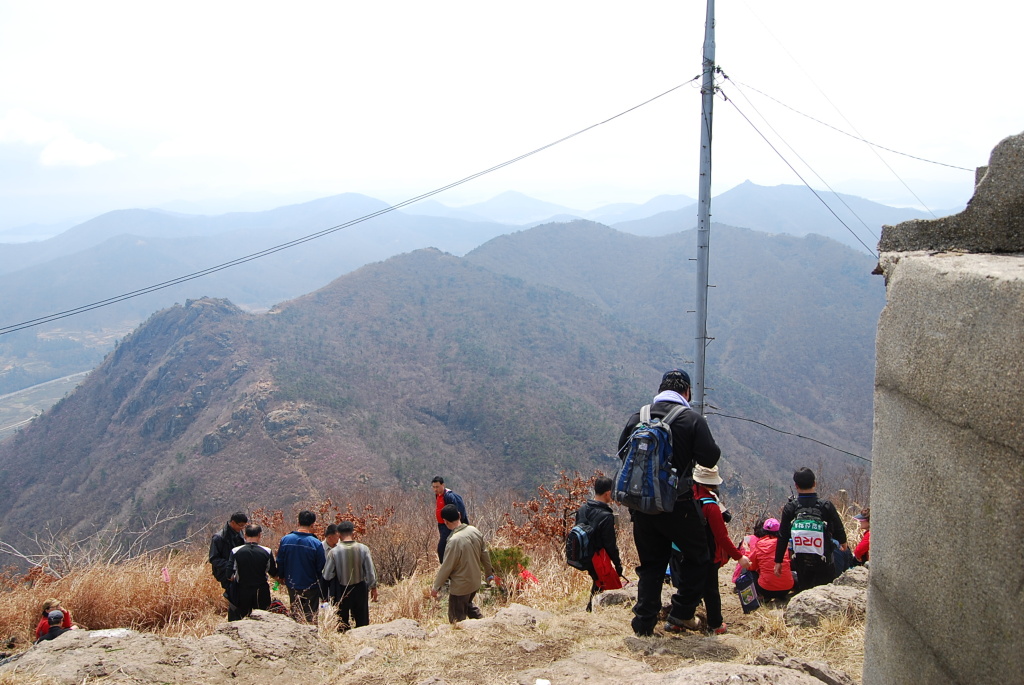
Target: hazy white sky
[[106, 105]]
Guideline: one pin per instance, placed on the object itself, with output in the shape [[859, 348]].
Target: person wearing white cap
[[720, 547]]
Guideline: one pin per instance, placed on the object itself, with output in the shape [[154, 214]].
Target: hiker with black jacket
[[654, 534], [812, 524], [251, 564], [221, 545], [597, 513]]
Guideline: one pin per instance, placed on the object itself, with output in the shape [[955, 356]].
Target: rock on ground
[[264, 648], [726, 674], [808, 608], [587, 668], [512, 615], [401, 627], [819, 669], [854, 577]]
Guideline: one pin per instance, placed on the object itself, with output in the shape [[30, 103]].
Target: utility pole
[[707, 90]]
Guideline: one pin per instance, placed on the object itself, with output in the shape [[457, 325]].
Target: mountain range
[[129, 250], [497, 369]]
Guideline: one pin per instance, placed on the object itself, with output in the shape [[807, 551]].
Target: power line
[[319, 234], [802, 180], [796, 435], [806, 163], [838, 111], [847, 133]]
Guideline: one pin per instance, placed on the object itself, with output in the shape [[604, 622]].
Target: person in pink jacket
[[762, 560]]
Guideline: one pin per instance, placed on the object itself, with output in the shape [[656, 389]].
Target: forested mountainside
[[792, 318], [422, 364]]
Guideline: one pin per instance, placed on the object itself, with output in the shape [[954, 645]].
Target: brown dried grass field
[[134, 594]]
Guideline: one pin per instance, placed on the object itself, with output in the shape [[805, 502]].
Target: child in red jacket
[[706, 482]]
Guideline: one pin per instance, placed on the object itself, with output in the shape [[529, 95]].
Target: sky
[[250, 105]]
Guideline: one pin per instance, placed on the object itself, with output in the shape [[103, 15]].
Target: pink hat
[[772, 524]]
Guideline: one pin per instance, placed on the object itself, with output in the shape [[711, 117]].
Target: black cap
[[676, 375]]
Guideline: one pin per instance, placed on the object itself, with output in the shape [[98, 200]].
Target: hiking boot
[[682, 625]]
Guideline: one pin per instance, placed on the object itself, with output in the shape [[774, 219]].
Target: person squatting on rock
[[300, 560], [351, 578], [50, 606], [466, 563], [762, 560], [251, 564], [55, 629], [720, 547], [654, 534], [819, 524], [442, 497], [221, 545], [597, 513]]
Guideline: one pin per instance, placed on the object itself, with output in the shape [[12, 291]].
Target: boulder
[[808, 608], [402, 627], [512, 615], [263, 647], [854, 577]]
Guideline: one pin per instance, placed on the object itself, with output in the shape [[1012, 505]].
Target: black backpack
[[809, 534], [579, 542]]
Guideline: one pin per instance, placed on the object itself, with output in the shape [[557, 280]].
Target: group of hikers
[[339, 571], [668, 480]]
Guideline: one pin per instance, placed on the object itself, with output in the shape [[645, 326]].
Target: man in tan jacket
[[466, 563]]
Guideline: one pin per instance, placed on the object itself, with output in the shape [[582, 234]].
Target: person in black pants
[[597, 513], [351, 577], [812, 551], [654, 534], [252, 563], [221, 545]]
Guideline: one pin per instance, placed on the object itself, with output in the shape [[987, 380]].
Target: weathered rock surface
[[587, 668], [512, 615], [808, 608], [402, 627], [599, 668], [265, 648], [727, 674], [627, 595], [855, 577], [693, 646], [819, 669]]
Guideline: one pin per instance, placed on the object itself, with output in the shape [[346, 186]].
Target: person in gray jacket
[[351, 578]]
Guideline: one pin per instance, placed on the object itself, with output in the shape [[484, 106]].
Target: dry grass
[[134, 595], [838, 640]]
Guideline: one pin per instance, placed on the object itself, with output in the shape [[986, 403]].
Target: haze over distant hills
[[789, 209], [123, 251], [431, 363]]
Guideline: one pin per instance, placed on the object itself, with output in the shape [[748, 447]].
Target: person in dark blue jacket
[[300, 560]]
